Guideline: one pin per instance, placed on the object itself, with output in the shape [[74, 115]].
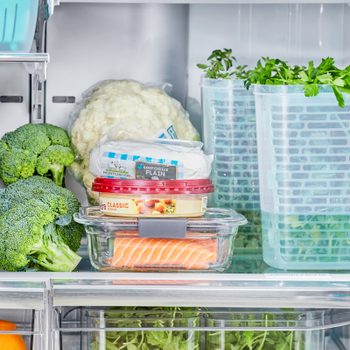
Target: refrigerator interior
[[161, 44]]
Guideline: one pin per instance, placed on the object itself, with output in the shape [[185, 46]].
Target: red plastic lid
[[152, 186]]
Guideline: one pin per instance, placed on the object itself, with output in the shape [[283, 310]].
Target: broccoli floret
[[15, 194], [71, 235], [29, 137], [3, 148], [16, 164], [57, 135], [48, 144], [54, 160], [59, 203], [29, 239]]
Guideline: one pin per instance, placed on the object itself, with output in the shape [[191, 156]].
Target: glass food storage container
[[155, 328], [152, 198], [144, 244], [18, 21], [229, 132], [304, 163]]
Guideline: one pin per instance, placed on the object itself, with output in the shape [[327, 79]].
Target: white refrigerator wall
[[157, 43], [163, 43]]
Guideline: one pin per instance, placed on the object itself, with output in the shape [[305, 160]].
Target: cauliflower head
[[124, 110]]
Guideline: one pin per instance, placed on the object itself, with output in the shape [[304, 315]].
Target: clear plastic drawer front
[[171, 328], [22, 329]]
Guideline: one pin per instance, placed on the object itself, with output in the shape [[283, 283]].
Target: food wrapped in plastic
[[150, 160], [124, 110]]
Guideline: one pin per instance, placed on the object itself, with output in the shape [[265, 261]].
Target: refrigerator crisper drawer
[[128, 328], [21, 329], [193, 329]]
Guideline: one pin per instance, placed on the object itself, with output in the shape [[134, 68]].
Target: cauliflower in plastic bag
[[124, 110]]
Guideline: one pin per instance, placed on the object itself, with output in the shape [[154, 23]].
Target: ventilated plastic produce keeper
[[229, 131], [304, 163], [17, 24]]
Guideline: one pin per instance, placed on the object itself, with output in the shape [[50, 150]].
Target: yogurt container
[[150, 198]]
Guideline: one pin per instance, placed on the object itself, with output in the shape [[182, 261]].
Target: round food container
[[149, 198]]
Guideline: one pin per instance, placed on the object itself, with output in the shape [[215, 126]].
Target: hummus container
[[149, 244], [150, 198]]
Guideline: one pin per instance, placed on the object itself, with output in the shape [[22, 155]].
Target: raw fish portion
[[136, 252]]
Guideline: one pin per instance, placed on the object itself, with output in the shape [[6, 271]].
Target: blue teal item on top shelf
[[229, 132], [17, 24], [304, 166]]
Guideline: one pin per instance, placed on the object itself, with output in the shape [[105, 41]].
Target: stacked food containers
[[152, 216], [304, 147], [229, 132]]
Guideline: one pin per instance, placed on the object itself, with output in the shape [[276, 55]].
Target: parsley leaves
[[221, 66], [273, 71]]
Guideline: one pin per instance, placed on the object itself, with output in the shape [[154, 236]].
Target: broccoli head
[[54, 160], [16, 164], [48, 144], [39, 214], [29, 240]]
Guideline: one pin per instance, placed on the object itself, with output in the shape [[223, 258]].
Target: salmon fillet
[[136, 252]]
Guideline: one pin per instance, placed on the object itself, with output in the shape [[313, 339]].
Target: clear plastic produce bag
[[123, 110]]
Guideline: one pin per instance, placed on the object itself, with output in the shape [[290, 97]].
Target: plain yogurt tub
[[149, 198]]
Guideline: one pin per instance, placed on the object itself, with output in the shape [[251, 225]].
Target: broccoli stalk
[[52, 254]]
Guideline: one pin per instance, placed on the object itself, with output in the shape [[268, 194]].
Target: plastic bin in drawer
[[253, 329], [170, 328], [128, 328], [21, 329]]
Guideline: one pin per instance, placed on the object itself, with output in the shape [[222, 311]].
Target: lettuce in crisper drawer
[[142, 329]]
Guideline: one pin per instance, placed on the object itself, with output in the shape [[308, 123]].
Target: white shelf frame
[[213, 2], [274, 290]]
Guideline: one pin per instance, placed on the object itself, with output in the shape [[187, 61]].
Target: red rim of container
[[106, 185]]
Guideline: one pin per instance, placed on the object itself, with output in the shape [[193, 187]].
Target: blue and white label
[[130, 166]]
